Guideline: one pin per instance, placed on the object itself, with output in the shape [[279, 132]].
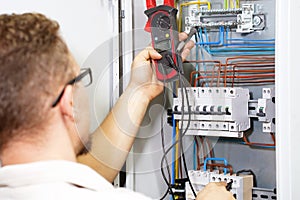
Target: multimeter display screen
[[163, 45]]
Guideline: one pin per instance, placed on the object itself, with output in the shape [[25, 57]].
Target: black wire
[[182, 86], [166, 193], [163, 135], [164, 158], [168, 182]]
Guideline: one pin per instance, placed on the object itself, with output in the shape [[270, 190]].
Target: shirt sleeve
[[131, 195]]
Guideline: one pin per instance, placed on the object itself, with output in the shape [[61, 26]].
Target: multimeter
[[163, 27]]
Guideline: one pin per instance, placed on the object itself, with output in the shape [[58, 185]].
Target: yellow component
[[237, 3], [167, 35], [191, 3], [231, 4], [225, 6]]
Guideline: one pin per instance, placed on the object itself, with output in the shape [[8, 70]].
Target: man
[[43, 123]]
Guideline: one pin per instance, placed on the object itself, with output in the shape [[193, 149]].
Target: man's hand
[[215, 191], [143, 77]]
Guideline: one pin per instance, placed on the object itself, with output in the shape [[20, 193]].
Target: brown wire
[[260, 144], [264, 65], [220, 165]]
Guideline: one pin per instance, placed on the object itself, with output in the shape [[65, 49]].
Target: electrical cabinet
[[246, 31]]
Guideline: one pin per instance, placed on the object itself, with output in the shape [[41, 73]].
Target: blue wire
[[221, 37], [239, 51], [197, 57], [248, 45], [195, 155], [246, 40], [216, 159], [233, 51], [242, 49], [249, 40]]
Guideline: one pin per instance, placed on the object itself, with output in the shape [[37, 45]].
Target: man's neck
[[19, 152]]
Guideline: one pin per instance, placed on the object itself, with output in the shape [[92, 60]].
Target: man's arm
[[113, 140]]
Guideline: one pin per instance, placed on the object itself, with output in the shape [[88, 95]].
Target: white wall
[[88, 28]]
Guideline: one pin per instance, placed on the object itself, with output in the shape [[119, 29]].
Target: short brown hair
[[34, 65]]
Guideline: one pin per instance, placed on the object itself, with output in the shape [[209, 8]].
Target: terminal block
[[246, 19], [241, 187]]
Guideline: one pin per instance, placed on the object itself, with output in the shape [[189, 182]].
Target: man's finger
[[221, 183], [182, 36], [189, 45], [146, 54], [187, 48], [216, 184]]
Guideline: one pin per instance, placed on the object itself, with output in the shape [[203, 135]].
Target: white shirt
[[58, 179]]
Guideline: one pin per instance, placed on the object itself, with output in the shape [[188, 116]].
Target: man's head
[[35, 65]]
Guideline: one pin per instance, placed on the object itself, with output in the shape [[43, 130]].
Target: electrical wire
[[182, 86], [248, 40], [237, 3], [164, 159], [237, 69], [221, 165], [203, 148], [216, 159], [173, 153], [197, 56], [246, 46], [246, 141], [177, 157], [196, 153], [165, 194], [207, 42], [210, 148]]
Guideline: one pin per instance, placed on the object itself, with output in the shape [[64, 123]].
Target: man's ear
[[66, 103]]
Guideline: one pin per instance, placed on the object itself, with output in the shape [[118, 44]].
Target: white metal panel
[[287, 101]]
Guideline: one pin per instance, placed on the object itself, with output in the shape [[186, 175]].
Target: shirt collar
[[52, 171]]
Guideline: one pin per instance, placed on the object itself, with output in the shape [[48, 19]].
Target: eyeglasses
[[85, 77]]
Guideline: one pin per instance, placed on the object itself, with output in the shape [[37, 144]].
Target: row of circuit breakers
[[223, 112]]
